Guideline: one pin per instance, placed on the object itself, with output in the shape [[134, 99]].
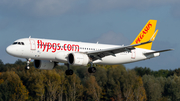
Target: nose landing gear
[[28, 62]]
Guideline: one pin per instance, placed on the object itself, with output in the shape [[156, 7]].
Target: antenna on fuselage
[[29, 37], [97, 43]]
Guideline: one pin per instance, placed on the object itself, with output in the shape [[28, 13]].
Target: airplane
[[47, 53]]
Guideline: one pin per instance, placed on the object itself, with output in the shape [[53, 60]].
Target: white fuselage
[[58, 50]]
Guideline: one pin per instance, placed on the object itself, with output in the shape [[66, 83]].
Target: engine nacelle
[[44, 64], [61, 57], [78, 59]]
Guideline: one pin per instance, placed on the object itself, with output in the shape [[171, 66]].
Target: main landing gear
[[69, 71], [91, 69], [28, 62]]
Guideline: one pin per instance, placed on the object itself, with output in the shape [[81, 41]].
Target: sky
[[106, 21]]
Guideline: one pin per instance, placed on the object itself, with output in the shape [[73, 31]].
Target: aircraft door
[[133, 54], [32, 44]]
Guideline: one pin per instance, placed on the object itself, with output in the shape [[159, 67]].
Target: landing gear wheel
[[28, 62], [69, 72], [91, 69], [27, 67]]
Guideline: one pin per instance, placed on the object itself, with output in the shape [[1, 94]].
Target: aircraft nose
[[10, 50]]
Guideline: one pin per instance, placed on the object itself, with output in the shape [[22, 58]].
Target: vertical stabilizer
[[146, 34]]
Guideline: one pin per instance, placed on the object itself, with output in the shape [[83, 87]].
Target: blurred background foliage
[[109, 83]]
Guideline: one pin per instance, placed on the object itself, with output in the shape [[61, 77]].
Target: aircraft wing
[[94, 55]]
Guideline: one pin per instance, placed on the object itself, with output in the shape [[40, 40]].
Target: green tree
[[153, 88], [160, 73], [101, 78], [114, 83], [1, 64], [173, 87], [139, 92], [73, 88], [129, 84], [33, 79], [51, 82], [4, 92], [177, 72], [20, 62], [82, 72], [92, 88], [142, 71], [16, 89], [36, 85], [61, 87]]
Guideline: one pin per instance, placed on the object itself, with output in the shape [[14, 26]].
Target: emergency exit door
[[133, 54]]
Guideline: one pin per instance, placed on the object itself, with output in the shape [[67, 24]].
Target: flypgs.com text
[[46, 46]]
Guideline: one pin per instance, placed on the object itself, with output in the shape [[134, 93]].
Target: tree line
[[109, 83]]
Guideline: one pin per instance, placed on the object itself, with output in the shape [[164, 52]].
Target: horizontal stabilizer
[[158, 51]]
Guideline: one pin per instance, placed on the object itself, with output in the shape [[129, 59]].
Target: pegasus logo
[[143, 33]]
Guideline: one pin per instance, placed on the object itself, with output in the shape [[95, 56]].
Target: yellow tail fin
[[146, 34]]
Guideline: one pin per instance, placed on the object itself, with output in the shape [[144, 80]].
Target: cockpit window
[[14, 43], [18, 43], [22, 43]]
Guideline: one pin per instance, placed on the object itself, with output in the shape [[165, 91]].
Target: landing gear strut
[[91, 69], [28, 61], [69, 71]]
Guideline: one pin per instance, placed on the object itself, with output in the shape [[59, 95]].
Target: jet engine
[[44, 64], [61, 57], [78, 59]]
